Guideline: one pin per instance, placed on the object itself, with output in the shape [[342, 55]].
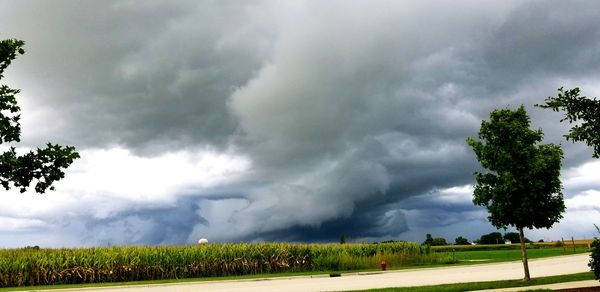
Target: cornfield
[[28, 267]]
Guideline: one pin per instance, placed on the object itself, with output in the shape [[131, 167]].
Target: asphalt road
[[431, 276]]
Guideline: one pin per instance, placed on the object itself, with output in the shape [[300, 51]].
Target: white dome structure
[[203, 241]]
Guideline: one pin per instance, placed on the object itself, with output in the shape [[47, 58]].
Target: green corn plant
[[26, 267]]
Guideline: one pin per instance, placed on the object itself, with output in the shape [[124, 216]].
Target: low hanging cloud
[[266, 120], [114, 196]]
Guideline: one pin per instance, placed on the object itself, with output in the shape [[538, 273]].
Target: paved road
[[431, 276]]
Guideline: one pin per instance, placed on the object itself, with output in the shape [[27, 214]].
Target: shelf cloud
[[272, 120]]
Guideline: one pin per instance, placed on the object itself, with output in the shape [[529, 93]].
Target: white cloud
[[587, 200], [105, 182], [8, 224], [460, 194], [582, 178], [119, 173]]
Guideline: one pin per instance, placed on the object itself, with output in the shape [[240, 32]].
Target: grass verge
[[492, 256], [459, 287], [165, 281]]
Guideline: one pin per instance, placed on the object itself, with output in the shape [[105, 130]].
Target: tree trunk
[[524, 255]]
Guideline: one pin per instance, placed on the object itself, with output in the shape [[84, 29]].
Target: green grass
[[444, 288], [459, 287], [167, 281], [492, 256], [578, 244]]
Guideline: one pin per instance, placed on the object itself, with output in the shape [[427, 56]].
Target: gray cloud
[[160, 225], [540, 41], [350, 113], [137, 77]]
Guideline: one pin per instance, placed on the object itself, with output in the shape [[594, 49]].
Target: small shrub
[[594, 263]]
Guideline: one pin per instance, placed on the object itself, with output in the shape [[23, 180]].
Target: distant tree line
[[490, 238]]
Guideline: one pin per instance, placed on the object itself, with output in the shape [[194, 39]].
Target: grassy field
[[568, 246], [492, 284], [489, 256]]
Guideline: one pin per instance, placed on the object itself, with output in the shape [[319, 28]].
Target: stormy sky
[[286, 120]]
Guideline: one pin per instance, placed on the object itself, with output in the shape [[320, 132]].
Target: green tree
[[586, 111], [594, 263], [491, 238], [514, 237], [438, 241], [521, 184], [578, 109], [428, 239], [44, 165], [461, 241]]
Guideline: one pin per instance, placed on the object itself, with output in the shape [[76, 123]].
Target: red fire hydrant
[[383, 265]]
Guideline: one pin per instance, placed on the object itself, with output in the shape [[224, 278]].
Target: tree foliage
[[521, 184], [438, 241], [431, 241], [514, 237], [578, 109], [428, 239], [43, 165], [594, 263], [461, 241], [491, 238]]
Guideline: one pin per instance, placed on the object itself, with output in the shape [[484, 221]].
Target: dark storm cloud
[[366, 221], [137, 75], [405, 108], [539, 41], [354, 115], [160, 225]]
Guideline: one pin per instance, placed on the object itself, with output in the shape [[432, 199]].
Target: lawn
[[490, 256], [459, 287]]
